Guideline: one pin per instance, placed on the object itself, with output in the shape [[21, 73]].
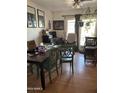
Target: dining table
[[39, 59]]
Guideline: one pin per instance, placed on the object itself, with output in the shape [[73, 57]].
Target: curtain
[[77, 19]]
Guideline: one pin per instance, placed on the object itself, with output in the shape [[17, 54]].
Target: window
[[70, 26]]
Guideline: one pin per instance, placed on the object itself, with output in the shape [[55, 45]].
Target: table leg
[[42, 78], [38, 71]]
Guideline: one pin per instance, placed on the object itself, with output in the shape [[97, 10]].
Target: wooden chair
[[90, 49], [71, 40], [50, 64], [31, 45], [66, 56], [31, 49]]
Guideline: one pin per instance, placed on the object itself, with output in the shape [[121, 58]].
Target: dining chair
[[50, 64], [31, 45], [90, 50], [66, 56], [71, 40]]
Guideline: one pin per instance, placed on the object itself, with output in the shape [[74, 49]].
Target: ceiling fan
[[76, 3]]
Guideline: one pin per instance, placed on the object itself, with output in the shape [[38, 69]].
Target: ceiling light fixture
[[78, 3], [76, 6]]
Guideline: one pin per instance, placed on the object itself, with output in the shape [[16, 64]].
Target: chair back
[[52, 59], [71, 38], [50, 64], [90, 41], [67, 52], [31, 45]]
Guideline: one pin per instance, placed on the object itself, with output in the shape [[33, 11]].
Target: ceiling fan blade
[[77, 1], [85, 0]]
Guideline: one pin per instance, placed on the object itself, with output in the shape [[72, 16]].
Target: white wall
[[35, 33]]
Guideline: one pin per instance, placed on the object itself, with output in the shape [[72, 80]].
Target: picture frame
[[41, 18], [31, 17], [58, 24]]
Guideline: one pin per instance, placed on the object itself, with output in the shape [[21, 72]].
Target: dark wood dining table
[[39, 59]]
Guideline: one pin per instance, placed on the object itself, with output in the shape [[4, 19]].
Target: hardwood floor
[[84, 79]]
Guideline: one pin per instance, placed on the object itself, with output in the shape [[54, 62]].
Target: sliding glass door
[[88, 29]]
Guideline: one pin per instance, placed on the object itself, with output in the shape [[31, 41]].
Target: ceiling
[[62, 5]]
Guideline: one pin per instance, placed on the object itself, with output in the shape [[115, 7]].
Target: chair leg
[[95, 62], [57, 70], [57, 67], [38, 72], [84, 60], [50, 76], [72, 68], [61, 67], [70, 64], [31, 68]]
